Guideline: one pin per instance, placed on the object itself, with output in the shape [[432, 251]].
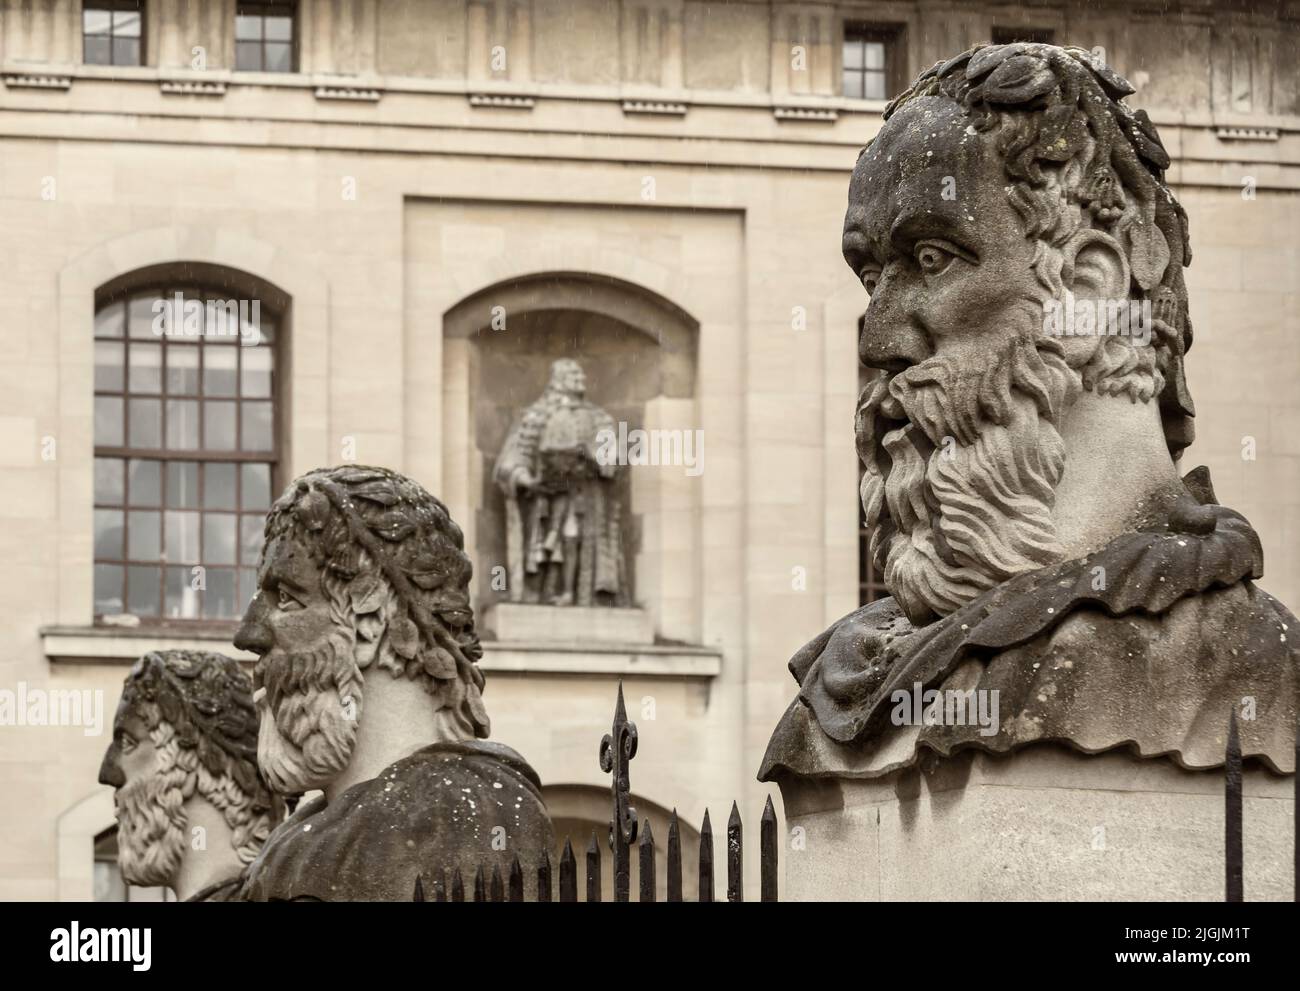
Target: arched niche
[[639, 352]]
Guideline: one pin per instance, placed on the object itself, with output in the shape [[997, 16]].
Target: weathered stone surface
[[516, 622], [183, 763], [369, 689]]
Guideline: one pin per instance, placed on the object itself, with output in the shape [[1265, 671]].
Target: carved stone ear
[[1095, 266]]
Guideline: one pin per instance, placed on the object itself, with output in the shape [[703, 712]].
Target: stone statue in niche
[[192, 810], [368, 688], [564, 542], [1023, 256]]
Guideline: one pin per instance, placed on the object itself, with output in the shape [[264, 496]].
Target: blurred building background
[[430, 201]]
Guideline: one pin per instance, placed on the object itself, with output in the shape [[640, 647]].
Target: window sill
[[119, 645]]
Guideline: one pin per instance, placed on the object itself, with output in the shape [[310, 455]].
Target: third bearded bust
[[368, 689], [1028, 318]]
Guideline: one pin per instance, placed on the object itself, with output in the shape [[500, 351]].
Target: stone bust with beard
[[368, 689], [192, 810], [1022, 485]]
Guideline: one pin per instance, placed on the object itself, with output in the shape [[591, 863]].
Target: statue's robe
[[436, 810], [1147, 644], [223, 891]]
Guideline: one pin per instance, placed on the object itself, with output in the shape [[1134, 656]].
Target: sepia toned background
[[654, 187]]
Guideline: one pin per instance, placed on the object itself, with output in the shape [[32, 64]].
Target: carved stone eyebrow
[[920, 225]]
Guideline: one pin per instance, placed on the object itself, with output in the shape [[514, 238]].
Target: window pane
[[278, 28], [181, 598], [250, 538], [222, 316], [109, 321], [181, 537], [108, 421], [182, 369], [219, 486], [256, 427], [875, 54], [219, 426], [95, 21], [853, 84], [279, 56], [248, 27], [182, 485], [255, 373], [144, 586], [126, 23], [852, 53], [219, 373], [126, 51], [108, 589], [108, 366], [108, 534], [144, 479], [219, 538], [183, 424], [248, 56], [874, 86], [247, 587], [256, 486], [145, 373], [144, 426], [219, 599], [142, 540], [108, 481], [140, 316], [97, 51]]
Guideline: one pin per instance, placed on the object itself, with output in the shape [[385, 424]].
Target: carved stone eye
[[931, 259], [870, 277]]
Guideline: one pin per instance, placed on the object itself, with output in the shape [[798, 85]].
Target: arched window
[[185, 450]]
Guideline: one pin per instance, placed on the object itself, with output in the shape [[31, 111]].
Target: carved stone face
[[568, 377], [150, 821], [958, 437], [307, 683]]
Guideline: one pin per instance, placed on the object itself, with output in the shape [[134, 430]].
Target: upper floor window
[[872, 61], [185, 451], [264, 37], [112, 32], [1005, 36]]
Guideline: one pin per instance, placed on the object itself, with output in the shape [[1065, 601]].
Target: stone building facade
[[430, 201]]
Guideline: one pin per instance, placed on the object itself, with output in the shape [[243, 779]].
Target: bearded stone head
[[185, 730], [362, 569], [1006, 184], [567, 378]]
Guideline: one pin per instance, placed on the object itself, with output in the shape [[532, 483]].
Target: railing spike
[[1232, 853], [440, 886], [706, 860], [419, 889], [480, 892], [593, 869], [516, 890], [544, 877], [674, 859], [767, 852], [568, 874], [647, 864], [457, 887], [735, 856]]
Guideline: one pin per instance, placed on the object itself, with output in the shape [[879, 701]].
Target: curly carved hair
[[198, 707], [394, 569], [1078, 157]]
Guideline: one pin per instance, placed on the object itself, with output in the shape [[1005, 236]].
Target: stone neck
[[1118, 474], [397, 718], [216, 861]]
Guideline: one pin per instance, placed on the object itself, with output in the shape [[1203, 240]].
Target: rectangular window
[[112, 32], [872, 61], [1005, 36], [264, 37]]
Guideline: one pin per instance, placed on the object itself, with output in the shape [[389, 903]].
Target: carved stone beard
[[151, 827], [959, 496], [309, 715]]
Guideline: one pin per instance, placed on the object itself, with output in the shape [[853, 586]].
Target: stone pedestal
[[1043, 824], [519, 623]]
